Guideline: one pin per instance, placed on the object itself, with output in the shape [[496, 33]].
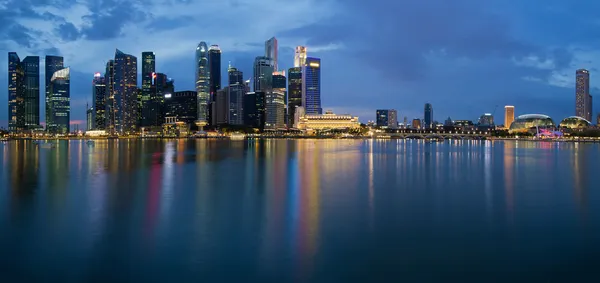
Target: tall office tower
[[162, 85], [125, 88], [428, 119], [202, 83], [148, 70], [278, 101], [311, 86], [214, 82], [294, 93], [263, 74], [60, 102], [582, 93], [590, 110], [221, 107], [182, 105], [52, 64], [486, 120], [254, 110], [98, 102], [109, 107], [300, 56], [89, 117], [31, 68], [509, 115], [271, 51], [387, 118], [16, 93], [237, 90]]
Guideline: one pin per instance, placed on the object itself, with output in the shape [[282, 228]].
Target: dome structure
[[574, 122], [525, 122]]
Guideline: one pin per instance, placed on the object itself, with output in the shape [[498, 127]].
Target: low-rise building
[[329, 120]]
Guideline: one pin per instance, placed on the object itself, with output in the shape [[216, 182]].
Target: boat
[[237, 136]]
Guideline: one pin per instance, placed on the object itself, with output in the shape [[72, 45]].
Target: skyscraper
[[60, 102], [89, 117], [300, 56], [202, 83], [509, 115], [148, 73], [52, 64], [254, 109], [182, 105], [311, 86], [271, 51], [294, 93], [428, 119], [275, 104], [125, 93], [98, 102], [279, 88], [236, 92], [263, 74], [16, 93], [110, 106], [387, 118], [582, 94], [31, 68], [214, 71]]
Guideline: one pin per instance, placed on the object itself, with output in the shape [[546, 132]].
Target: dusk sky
[[463, 56]]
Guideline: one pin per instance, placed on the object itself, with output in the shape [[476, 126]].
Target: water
[[299, 211]]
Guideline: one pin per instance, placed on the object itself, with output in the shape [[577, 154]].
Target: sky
[[465, 57]]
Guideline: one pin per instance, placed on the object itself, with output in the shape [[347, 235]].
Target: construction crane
[[494, 114]]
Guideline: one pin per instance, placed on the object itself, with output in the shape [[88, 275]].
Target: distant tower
[[16, 93], [214, 73], [60, 106], [428, 119], [311, 86], [509, 115], [52, 64], [148, 92], [300, 56], [271, 51], [582, 94], [125, 93], [202, 83], [98, 102]]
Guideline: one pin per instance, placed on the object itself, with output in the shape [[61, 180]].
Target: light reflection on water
[[298, 210]]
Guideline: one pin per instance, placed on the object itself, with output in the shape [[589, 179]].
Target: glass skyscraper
[[16, 93], [98, 102], [582, 94], [294, 98], [277, 102], [202, 83], [428, 119], [60, 102], [271, 52], [125, 93], [214, 70], [148, 73], [52, 64], [31, 68], [387, 118], [300, 56], [311, 86], [254, 110], [236, 92], [181, 105], [110, 107]]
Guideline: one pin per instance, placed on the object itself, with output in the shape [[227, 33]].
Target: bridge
[[432, 134]]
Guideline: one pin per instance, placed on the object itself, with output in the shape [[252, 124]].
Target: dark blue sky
[[463, 56]]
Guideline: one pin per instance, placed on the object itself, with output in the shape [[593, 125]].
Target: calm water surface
[[300, 211]]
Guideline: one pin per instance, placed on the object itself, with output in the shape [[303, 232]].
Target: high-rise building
[[221, 107], [236, 91], [416, 124], [387, 118], [263, 74], [202, 83], [509, 115], [271, 51], [311, 86], [52, 64], [280, 95], [110, 106], [254, 110], [428, 119], [60, 102], [148, 91], [300, 56], [89, 114], [16, 93], [98, 102], [582, 94], [125, 93], [182, 105], [590, 109], [486, 120], [214, 71], [294, 93], [31, 68]]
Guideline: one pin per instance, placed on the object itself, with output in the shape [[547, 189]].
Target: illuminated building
[[254, 109], [109, 108], [464, 125], [89, 118], [125, 93], [280, 93], [237, 89], [327, 121], [16, 93], [300, 56], [271, 51], [574, 122], [294, 93], [221, 107], [31, 100], [311, 86], [416, 124], [428, 117], [582, 94], [182, 106], [98, 102], [263, 74], [387, 118], [524, 123], [214, 78], [148, 75], [486, 120], [60, 102], [202, 83], [51, 65], [509, 115]]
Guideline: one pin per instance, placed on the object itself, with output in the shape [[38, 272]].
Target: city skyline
[[533, 78]]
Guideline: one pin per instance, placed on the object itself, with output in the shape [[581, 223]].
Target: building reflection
[[24, 169], [580, 177], [509, 171]]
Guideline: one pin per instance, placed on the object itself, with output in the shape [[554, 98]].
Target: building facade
[[214, 70], [109, 107], [327, 121], [582, 94], [237, 90], [125, 93], [280, 96], [254, 110], [299, 56], [148, 91], [60, 102], [98, 102], [31, 69], [182, 106], [294, 97], [311, 86], [16, 94], [51, 65], [428, 116], [271, 51], [509, 115], [202, 83], [387, 118]]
